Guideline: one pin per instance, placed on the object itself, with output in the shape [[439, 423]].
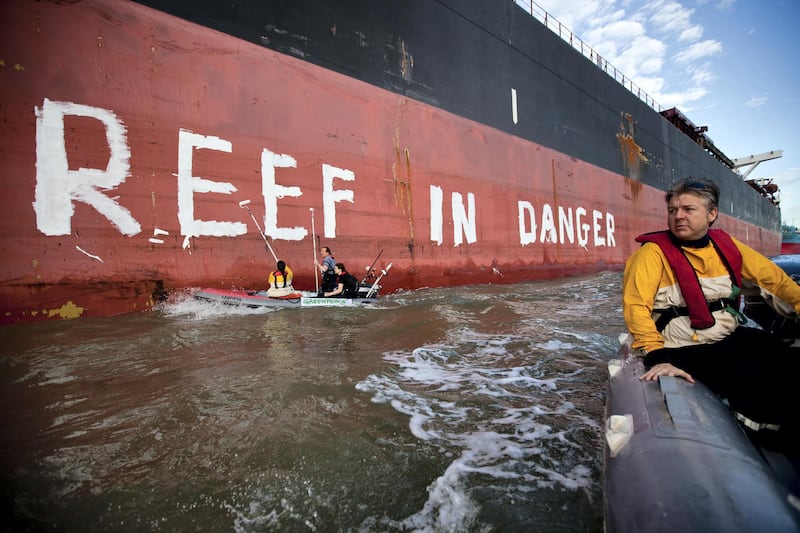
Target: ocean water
[[461, 409]]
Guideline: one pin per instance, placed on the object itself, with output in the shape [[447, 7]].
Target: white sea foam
[[183, 304], [524, 438]]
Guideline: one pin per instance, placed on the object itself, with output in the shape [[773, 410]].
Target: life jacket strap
[[666, 315]]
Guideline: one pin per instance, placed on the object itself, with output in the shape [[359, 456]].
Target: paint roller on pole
[[374, 288], [314, 245], [246, 205]]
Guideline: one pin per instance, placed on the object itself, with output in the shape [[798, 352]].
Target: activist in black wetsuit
[[346, 286]]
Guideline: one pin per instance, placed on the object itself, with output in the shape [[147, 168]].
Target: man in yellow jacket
[[681, 305]]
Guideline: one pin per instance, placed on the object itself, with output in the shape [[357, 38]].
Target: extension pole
[[369, 268], [246, 205], [314, 244]]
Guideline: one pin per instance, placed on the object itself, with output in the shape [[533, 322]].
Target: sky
[[730, 65]]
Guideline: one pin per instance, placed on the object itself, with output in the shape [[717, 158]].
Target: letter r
[[57, 186]]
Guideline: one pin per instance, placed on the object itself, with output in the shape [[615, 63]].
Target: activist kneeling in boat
[[346, 286], [280, 281], [681, 295]]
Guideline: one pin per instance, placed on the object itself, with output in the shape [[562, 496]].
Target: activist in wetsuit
[[327, 268], [681, 305], [346, 284]]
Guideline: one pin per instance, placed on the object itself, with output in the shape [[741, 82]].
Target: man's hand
[[666, 369]]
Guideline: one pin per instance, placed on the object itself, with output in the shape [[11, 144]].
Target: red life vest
[[699, 312]]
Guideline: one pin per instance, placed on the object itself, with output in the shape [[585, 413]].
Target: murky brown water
[[465, 409]]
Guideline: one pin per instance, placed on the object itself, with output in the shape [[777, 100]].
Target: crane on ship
[[755, 160], [766, 186]]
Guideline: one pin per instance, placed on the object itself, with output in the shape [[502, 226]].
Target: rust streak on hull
[[632, 154]]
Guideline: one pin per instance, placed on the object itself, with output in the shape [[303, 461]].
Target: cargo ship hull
[[790, 240], [131, 136]]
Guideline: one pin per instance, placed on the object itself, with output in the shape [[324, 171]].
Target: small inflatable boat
[[676, 459], [255, 299], [367, 293]]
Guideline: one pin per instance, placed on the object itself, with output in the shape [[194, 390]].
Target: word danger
[[58, 188]]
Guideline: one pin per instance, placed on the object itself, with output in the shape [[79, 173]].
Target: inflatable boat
[[367, 293], [677, 459], [259, 298]]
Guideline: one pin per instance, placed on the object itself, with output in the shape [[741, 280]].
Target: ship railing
[[554, 25]]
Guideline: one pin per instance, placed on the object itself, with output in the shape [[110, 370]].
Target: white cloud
[[699, 50], [691, 34], [669, 16], [683, 99], [701, 74], [618, 31], [645, 57], [580, 16], [652, 86], [626, 46], [757, 101]]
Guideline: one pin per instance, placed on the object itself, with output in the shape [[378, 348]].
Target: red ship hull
[[790, 248], [130, 137]]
